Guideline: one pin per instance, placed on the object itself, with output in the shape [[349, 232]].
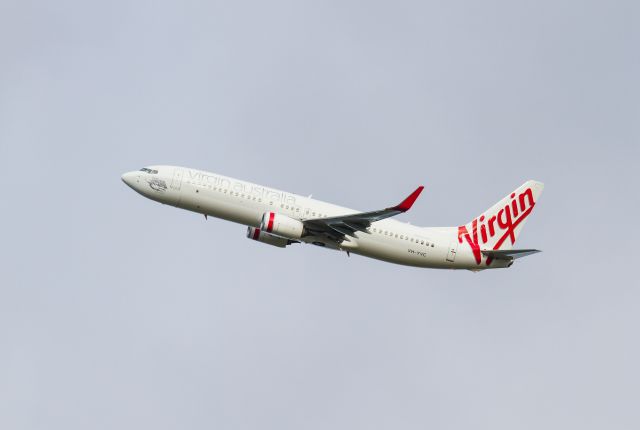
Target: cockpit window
[[151, 172]]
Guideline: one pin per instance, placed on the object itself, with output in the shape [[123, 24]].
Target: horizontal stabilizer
[[510, 254]]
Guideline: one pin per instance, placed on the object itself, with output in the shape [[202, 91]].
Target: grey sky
[[117, 312]]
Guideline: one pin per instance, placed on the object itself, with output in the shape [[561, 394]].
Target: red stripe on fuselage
[[270, 225]]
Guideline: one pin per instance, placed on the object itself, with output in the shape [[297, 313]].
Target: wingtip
[[409, 201]]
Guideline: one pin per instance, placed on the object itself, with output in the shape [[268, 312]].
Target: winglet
[[408, 202]]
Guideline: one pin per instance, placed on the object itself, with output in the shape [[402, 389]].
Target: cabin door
[[453, 250]]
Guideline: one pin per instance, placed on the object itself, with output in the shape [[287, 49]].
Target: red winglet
[[408, 202]]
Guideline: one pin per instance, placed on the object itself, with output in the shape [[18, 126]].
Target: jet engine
[[281, 225], [260, 236]]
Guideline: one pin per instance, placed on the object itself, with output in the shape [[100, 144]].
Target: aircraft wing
[[338, 227], [510, 254]]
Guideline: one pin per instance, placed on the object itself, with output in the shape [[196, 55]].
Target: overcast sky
[[117, 312]]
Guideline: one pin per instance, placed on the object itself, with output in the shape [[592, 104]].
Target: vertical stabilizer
[[498, 227]]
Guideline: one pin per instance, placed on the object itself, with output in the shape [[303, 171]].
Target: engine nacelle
[[281, 225], [256, 234]]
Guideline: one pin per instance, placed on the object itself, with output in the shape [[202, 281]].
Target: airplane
[[280, 219]]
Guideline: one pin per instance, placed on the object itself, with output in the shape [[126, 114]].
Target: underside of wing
[[338, 227]]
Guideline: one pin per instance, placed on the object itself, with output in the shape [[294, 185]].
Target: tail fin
[[498, 227]]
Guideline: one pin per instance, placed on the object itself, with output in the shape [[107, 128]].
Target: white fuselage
[[245, 203]]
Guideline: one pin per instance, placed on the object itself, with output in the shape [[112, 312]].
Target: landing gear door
[[176, 182], [453, 250]]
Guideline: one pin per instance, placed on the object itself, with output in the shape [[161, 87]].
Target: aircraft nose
[[129, 178]]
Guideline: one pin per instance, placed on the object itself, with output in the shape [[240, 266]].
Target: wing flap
[[342, 229]]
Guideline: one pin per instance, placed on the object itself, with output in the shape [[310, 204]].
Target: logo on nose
[[157, 184]]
